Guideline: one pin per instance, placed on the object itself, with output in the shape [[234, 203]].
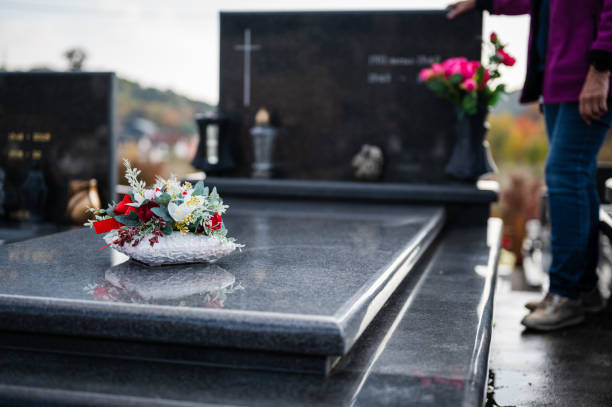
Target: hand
[[593, 100], [459, 8]]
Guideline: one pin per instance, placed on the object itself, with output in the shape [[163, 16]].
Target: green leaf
[[494, 98], [194, 225], [167, 230], [163, 199], [162, 212], [436, 86], [480, 75], [128, 220], [469, 103], [455, 79], [198, 189], [111, 208]]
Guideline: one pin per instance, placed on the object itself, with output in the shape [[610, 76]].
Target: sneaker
[[555, 312], [592, 301], [532, 305]]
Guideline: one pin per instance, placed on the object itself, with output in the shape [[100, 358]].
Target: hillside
[[169, 111]]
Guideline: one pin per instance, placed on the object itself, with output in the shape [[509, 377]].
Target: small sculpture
[[368, 163], [83, 195]]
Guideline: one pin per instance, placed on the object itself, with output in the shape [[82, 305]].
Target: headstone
[[54, 128], [336, 81]]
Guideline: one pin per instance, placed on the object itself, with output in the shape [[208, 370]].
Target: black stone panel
[[54, 128], [334, 81]]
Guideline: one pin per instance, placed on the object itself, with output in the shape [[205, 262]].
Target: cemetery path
[[567, 368]]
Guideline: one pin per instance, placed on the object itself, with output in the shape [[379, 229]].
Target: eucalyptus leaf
[[162, 212], [111, 208], [164, 199], [167, 230], [128, 220], [198, 189]]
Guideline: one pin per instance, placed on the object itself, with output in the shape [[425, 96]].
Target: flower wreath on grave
[[170, 223]]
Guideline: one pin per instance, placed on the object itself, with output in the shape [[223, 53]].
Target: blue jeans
[[572, 197]]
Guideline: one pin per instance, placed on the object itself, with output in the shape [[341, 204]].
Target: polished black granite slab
[[55, 127], [11, 232], [485, 192], [312, 277], [334, 81], [428, 346]]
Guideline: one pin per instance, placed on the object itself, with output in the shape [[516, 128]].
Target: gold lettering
[[36, 154], [20, 214], [15, 154], [41, 137], [14, 136]]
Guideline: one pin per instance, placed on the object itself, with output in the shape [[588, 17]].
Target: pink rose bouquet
[[466, 83]]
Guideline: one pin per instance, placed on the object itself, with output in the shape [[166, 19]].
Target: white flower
[[193, 200], [150, 194], [139, 198], [180, 212], [174, 189]]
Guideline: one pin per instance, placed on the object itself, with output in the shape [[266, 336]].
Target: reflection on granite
[[191, 285], [425, 348], [62, 127], [317, 274]]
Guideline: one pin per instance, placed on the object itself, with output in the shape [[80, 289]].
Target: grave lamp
[[214, 151], [264, 143]]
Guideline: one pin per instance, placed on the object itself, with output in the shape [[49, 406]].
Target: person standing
[[568, 69]]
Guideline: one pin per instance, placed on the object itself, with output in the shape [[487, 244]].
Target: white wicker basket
[[177, 248]]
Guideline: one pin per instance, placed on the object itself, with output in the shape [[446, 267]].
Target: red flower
[[506, 58], [493, 38], [215, 222], [123, 208], [144, 211], [507, 242]]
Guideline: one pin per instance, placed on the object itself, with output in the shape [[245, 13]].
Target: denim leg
[[572, 197], [589, 277]]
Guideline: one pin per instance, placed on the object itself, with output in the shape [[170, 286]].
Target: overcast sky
[[171, 44]]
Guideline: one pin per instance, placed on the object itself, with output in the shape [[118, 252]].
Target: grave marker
[[334, 81], [54, 128]]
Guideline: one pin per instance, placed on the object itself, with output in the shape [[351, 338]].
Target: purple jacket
[[580, 32]]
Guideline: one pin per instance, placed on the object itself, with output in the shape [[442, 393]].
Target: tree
[[76, 58]]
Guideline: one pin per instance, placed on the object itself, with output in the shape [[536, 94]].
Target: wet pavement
[[572, 367]]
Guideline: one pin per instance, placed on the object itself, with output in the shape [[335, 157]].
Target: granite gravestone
[[54, 128], [335, 81]]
